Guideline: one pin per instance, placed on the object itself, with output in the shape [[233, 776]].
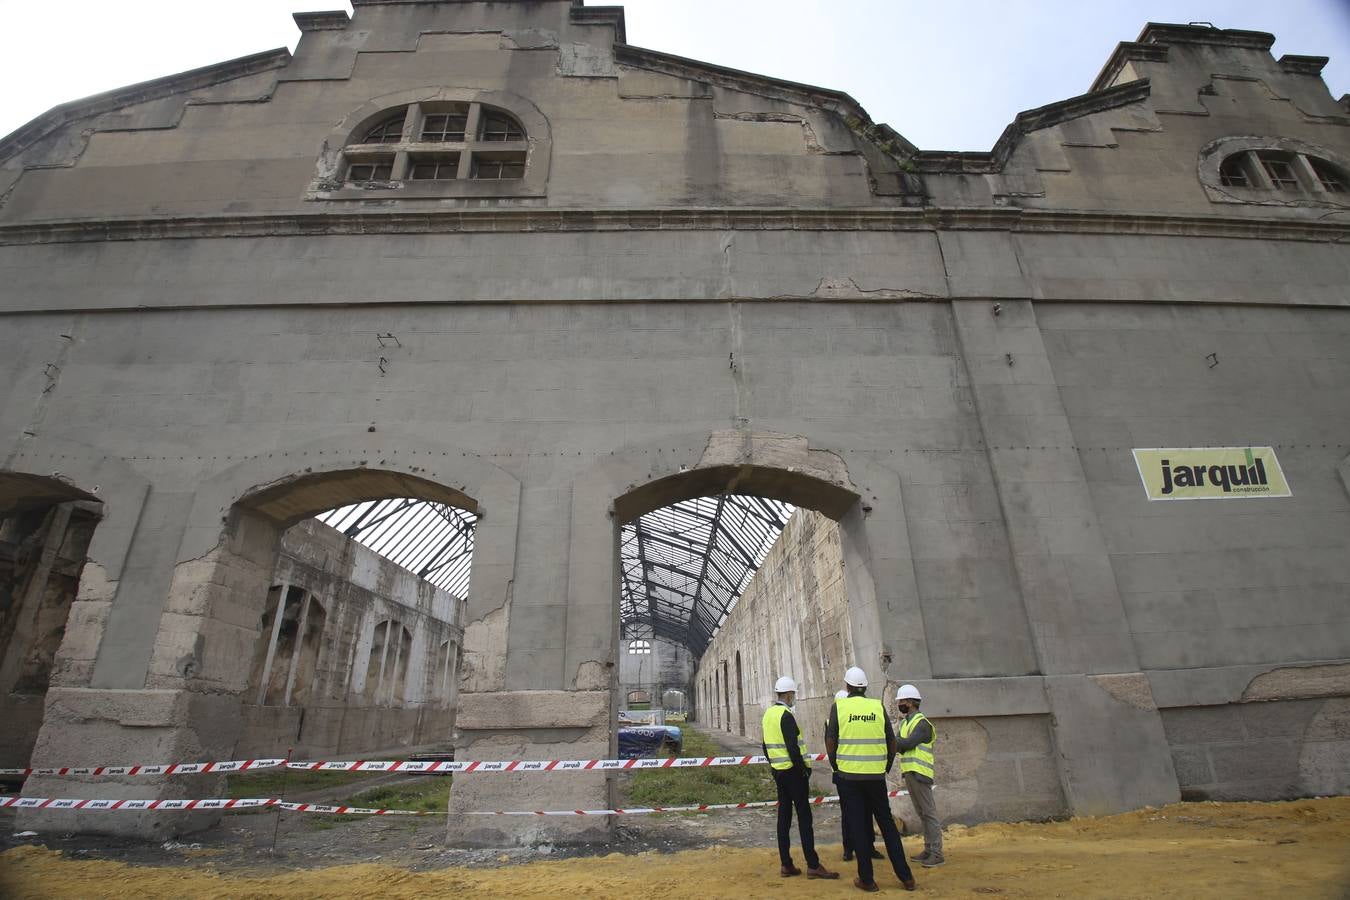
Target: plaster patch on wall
[[586, 61], [95, 585], [483, 666], [1299, 683], [1132, 689], [592, 675], [962, 746]]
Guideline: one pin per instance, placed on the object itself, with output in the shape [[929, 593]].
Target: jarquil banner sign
[[1211, 473]]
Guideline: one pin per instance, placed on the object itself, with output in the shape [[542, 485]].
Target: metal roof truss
[[685, 565]]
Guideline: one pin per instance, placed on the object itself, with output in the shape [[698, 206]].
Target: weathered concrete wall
[[343, 682], [707, 281], [1214, 583]]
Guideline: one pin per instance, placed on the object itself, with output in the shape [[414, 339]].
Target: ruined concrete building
[[1070, 415], [363, 656]]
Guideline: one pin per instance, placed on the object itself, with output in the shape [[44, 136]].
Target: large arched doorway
[[46, 526], [361, 619], [697, 547]]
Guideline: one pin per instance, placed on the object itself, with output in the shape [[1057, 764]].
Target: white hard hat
[[855, 677], [841, 695], [908, 692], [784, 685]]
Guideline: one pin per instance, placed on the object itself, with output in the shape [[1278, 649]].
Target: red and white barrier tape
[[356, 810], [125, 805], [397, 765], [237, 765], [536, 765], [179, 805], [254, 803]]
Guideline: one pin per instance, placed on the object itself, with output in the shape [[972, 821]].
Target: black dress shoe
[[877, 854], [848, 856]]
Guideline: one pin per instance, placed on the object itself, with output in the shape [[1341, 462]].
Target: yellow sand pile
[[1298, 849]]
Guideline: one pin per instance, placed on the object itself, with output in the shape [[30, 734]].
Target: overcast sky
[[946, 75]]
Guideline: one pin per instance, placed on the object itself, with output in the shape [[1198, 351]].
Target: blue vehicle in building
[[636, 741]]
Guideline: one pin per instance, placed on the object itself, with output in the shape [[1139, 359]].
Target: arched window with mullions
[[437, 141], [1274, 172]]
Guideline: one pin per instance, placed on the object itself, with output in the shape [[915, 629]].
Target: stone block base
[[92, 727], [531, 725]]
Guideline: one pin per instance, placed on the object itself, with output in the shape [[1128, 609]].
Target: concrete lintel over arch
[[769, 464]]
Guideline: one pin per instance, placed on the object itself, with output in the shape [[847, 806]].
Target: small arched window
[[500, 127], [434, 141], [1273, 171], [1233, 171], [1333, 180], [437, 143], [389, 131]]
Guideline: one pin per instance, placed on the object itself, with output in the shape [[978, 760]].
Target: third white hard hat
[[855, 677], [784, 684], [908, 692], [840, 695]]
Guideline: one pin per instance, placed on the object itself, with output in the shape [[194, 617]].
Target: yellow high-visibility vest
[[920, 760], [775, 745], [862, 736]]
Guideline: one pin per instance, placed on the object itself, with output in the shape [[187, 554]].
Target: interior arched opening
[[361, 612], [733, 576], [46, 526]]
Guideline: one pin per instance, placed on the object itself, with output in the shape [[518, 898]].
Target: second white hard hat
[[855, 677], [840, 695], [908, 692], [784, 685]]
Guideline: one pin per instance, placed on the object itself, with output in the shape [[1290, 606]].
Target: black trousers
[[843, 819], [794, 794], [864, 802]]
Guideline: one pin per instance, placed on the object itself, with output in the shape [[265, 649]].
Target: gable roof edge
[[1027, 121], [193, 79], [839, 102]]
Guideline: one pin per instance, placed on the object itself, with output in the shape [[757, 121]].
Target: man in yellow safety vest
[[785, 748], [861, 745], [917, 766], [843, 811]]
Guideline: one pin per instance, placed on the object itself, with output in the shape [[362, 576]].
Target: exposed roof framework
[[685, 565], [434, 541]]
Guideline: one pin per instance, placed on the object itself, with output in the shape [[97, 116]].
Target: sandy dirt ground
[[1298, 849]]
